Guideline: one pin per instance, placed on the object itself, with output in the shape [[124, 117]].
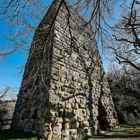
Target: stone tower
[[64, 92]]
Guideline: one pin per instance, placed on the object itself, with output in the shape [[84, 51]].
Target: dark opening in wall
[[103, 124]]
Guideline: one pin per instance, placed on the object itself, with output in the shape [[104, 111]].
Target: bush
[[3, 112]]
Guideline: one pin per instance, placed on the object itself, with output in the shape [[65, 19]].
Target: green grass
[[20, 135], [131, 128], [16, 135], [125, 131]]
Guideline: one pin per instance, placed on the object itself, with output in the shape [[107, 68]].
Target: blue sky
[[11, 66]]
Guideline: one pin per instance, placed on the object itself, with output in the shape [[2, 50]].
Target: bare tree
[[126, 44], [3, 110], [4, 92], [129, 78], [23, 16], [20, 18]]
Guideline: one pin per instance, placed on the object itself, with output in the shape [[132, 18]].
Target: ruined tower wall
[[64, 92], [33, 96], [80, 85]]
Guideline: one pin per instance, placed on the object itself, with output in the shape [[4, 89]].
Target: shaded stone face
[[64, 92]]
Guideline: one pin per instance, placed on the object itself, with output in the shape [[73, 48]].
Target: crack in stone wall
[[64, 89]]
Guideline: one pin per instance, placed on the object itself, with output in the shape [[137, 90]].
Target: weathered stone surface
[[64, 92]]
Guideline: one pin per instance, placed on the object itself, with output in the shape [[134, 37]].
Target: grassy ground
[[131, 128], [125, 131], [16, 135]]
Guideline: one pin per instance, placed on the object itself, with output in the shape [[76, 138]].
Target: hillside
[[127, 104]]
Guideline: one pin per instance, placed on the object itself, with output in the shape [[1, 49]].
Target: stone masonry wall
[[64, 92]]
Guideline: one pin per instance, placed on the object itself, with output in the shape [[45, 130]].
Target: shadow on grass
[[16, 134], [125, 131], [110, 136]]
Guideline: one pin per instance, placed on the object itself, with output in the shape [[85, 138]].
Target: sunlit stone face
[[64, 92]]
